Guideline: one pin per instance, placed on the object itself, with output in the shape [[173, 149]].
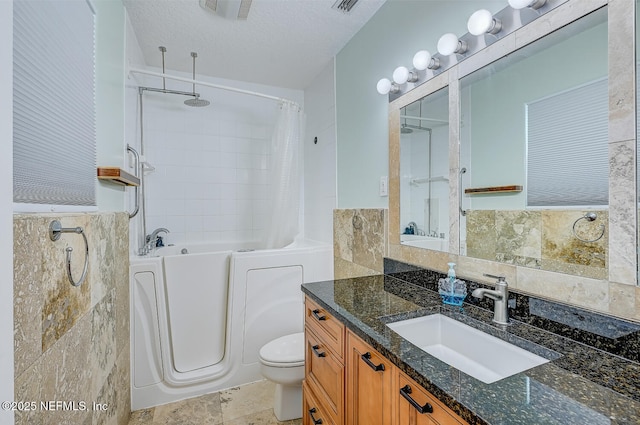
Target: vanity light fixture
[[423, 60], [449, 44], [483, 22], [521, 4], [385, 86], [401, 75]]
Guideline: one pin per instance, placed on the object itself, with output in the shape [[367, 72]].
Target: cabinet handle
[[314, 420], [367, 359], [316, 352], [316, 314], [405, 391]]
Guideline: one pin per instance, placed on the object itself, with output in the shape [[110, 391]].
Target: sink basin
[[474, 352]]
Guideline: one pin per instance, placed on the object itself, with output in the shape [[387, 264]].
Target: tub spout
[[152, 239]]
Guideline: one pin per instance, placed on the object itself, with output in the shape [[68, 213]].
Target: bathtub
[[201, 312]]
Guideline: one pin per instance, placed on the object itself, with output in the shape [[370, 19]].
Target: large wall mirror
[[424, 172], [534, 154]]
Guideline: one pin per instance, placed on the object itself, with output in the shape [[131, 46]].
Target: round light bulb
[[480, 22], [448, 44], [421, 60], [401, 75], [384, 86], [521, 4]]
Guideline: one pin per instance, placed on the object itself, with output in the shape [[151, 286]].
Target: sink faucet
[[500, 296], [152, 239]]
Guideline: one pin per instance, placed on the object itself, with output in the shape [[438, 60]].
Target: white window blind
[[54, 145], [567, 147]]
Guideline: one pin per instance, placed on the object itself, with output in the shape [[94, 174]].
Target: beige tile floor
[[250, 404]]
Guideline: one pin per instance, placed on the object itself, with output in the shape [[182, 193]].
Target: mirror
[[534, 143], [424, 172]]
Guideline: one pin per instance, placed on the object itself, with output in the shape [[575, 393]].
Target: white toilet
[[282, 361]]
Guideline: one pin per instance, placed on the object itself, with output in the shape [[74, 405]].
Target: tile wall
[[211, 175], [71, 344]]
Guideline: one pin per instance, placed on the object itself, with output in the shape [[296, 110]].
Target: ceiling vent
[[344, 6], [229, 9]]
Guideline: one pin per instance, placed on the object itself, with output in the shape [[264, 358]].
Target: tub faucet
[[500, 297], [152, 239]]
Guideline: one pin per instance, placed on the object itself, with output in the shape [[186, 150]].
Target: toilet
[[282, 361]]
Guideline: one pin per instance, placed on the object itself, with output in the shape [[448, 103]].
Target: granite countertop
[[581, 384]]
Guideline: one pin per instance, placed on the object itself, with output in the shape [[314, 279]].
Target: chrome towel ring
[[55, 230], [589, 217]]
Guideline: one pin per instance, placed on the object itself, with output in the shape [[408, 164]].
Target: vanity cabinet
[[369, 384], [324, 367], [348, 382]]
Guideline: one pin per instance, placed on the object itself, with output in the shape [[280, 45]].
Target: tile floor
[[250, 404]]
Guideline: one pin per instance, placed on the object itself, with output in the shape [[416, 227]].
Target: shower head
[[196, 102]]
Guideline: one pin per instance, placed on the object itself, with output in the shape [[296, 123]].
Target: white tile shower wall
[[211, 169], [320, 158]]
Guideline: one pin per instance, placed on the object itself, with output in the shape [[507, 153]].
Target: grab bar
[[55, 230], [136, 157], [462, 171]]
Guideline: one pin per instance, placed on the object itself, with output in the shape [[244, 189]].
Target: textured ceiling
[[284, 43]]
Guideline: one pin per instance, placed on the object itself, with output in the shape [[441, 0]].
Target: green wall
[[390, 39]]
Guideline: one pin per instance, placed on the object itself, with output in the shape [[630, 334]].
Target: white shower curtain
[[283, 223]]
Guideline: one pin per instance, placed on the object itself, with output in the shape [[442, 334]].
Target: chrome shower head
[[197, 102]]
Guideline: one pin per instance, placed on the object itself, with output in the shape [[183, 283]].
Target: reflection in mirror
[[534, 142], [424, 172]]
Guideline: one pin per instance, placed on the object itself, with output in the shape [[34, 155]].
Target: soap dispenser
[[451, 274]]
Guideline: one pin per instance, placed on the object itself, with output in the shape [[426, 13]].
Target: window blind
[[567, 147], [54, 145]]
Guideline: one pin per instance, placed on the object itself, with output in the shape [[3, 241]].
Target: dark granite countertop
[[580, 385]]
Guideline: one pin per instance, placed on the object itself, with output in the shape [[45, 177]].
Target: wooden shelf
[[493, 189], [118, 176]]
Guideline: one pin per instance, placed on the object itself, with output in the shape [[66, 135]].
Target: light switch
[[384, 186]]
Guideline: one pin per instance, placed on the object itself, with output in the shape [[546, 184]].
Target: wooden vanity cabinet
[[348, 382], [369, 384], [324, 366]]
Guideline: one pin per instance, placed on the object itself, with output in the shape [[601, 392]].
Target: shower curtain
[[283, 224]]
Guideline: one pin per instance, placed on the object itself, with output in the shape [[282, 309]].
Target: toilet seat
[[286, 351]]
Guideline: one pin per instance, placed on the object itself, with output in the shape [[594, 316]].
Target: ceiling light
[[450, 44], [482, 21], [385, 86], [401, 75], [521, 4], [423, 60]]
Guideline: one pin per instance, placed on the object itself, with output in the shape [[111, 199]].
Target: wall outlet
[[384, 186]]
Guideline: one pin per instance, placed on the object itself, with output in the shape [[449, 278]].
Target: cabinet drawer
[[313, 412], [417, 406], [324, 373], [325, 326]]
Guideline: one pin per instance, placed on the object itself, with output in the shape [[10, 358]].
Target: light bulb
[[401, 75], [450, 44], [421, 60], [521, 4], [482, 21], [384, 86]]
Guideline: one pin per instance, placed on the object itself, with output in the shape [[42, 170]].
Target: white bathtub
[[199, 319]]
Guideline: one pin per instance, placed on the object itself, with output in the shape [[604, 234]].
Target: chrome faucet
[[500, 297], [413, 228], [152, 239]]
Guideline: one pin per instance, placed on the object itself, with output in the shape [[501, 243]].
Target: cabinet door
[[369, 384], [416, 406]]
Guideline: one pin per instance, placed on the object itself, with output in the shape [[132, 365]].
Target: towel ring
[[589, 217], [55, 230]]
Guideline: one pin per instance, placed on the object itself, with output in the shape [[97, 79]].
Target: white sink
[[474, 352]]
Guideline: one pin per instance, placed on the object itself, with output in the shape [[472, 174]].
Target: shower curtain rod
[[215, 86]]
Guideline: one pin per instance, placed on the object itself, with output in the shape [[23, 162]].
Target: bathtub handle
[[316, 352], [316, 314], [313, 419]]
